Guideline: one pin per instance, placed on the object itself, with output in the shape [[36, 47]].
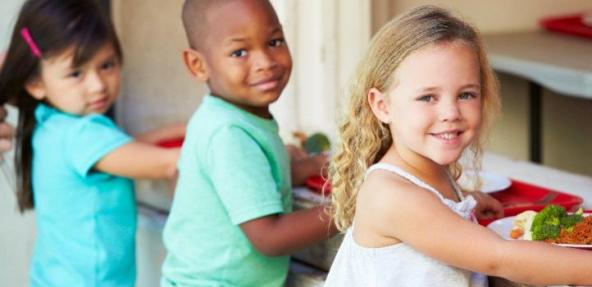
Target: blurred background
[[326, 38]]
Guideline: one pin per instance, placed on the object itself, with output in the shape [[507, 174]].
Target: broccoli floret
[[545, 231], [551, 214], [546, 224], [571, 220]]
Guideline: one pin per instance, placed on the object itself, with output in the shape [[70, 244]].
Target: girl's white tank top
[[399, 264]]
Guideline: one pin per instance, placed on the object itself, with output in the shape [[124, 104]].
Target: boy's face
[[243, 56]]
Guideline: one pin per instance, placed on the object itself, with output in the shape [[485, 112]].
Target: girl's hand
[[171, 131], [6, 132], [487, 206]]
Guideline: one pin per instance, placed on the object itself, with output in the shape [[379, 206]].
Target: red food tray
[[521, 196], [569, 24], [316, 183], [171, 143]]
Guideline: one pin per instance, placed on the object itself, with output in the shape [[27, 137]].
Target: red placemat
[[569, 24], [521, 196]]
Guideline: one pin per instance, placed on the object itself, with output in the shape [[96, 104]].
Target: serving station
[[310, 266]]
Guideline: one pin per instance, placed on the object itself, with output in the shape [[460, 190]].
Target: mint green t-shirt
[[233, 168]]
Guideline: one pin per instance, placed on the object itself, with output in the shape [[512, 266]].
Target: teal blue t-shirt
[[86, 220], [233, 168]]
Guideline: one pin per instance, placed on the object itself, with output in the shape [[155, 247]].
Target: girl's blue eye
[[239, 53], [276, 42], [467, 96], [425, 98]]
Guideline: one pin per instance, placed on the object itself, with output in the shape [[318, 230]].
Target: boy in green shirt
[[231, 223]]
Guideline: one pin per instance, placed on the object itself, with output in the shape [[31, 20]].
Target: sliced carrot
[[516, 233]]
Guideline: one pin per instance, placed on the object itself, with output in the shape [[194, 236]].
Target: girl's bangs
[[88, 36]]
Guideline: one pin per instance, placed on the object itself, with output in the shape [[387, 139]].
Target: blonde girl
[[423, 95]]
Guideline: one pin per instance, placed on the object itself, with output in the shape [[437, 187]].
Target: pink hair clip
[[27, 37]]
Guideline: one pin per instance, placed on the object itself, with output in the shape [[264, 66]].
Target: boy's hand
[[487, 206], [6, 132], [304, 165], [296, 153]]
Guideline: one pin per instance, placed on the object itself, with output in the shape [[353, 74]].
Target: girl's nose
[[449, 112], [96, 83]]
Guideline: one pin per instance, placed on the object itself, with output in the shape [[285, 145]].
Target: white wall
[[156, 88], [326, 46], [17, 232], [8, 14]]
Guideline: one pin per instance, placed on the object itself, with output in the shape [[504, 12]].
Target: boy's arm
[[172, 131], [283, 234]]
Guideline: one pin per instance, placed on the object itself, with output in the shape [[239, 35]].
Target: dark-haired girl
[[62, 71]]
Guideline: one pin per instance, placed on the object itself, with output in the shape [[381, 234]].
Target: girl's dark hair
[[55, 27]]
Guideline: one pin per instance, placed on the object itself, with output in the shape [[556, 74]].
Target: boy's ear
[[379, 105], [36, 89], [195, 63]]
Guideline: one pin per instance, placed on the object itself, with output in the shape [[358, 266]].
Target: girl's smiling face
[[433, 108], [89, 88]]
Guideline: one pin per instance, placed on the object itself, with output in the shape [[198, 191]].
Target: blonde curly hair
[[363, 138]]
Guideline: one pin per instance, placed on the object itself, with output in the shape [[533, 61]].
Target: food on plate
[[521, 226], [580, 234], [553, 224]]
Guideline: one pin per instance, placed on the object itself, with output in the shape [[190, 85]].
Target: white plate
[[503, 227], [490, 182]]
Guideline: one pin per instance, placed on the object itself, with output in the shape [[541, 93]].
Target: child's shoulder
[[384, 191], [389, 185], [53, 120]]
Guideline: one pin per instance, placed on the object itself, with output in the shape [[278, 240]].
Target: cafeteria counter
[[311, 264]]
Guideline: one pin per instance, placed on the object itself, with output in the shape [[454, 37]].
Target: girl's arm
[[278, 235], [398, 210], [140, 160], [172, 131]]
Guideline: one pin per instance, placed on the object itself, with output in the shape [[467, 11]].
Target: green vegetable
[[547, 223], [570, 220], [317, 143], [545, 231]]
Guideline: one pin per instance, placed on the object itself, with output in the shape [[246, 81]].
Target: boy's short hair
[[195, 16], [195, 22]]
